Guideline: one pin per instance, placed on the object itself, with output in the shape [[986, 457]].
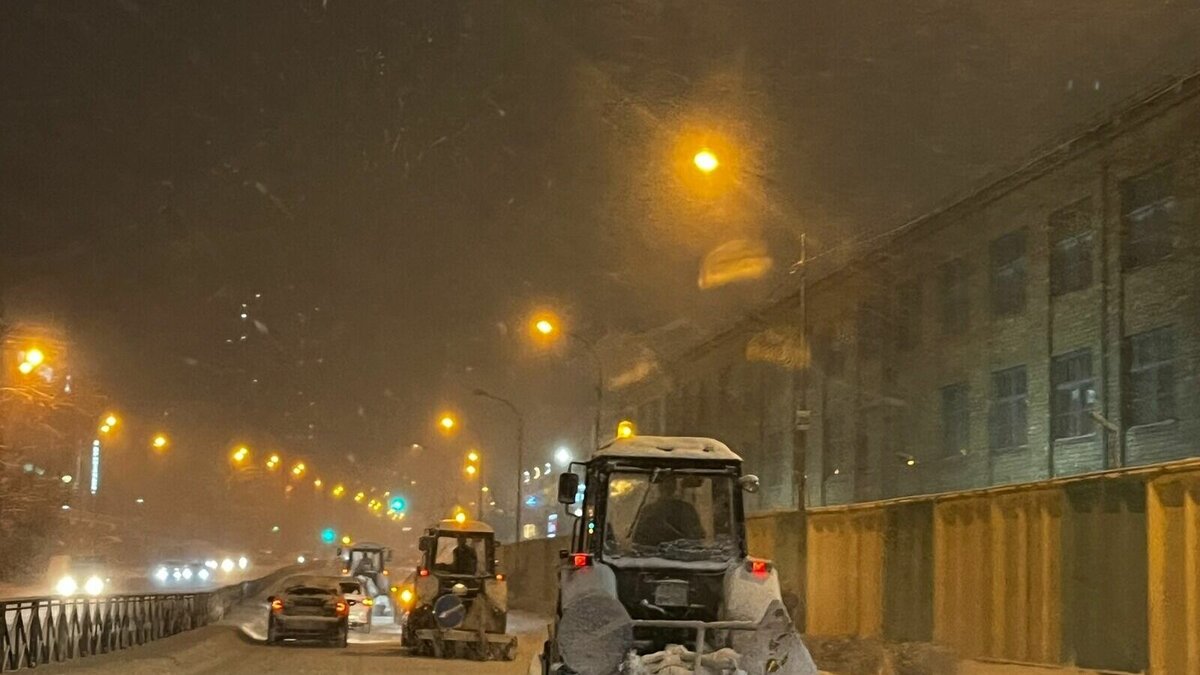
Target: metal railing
[[42, 630]]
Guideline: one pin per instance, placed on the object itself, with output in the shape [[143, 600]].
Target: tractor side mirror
[[568, 488], [387, 556], [749, 483], [424, 544], [339, 552]]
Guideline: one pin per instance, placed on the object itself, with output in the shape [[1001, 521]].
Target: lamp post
[[520, 418], [547, 326]]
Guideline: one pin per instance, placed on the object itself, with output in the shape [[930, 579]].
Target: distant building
[[1046, 325]]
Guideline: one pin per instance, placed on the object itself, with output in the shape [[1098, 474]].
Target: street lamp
[[706, 161], [32, 358], [520, 418], [159, 442], [240, 455], [447, 423], [547, 325], [562, 456]]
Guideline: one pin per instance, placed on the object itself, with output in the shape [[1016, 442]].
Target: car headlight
[[243, 563], [187, 573], [203, 574], [210, 564], [300, 559], [93, 586], [227, 565], [161, 574], [66, 586], [176, 574]]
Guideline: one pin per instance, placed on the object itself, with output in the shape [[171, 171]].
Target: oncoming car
[[180, 573], [309, 608]]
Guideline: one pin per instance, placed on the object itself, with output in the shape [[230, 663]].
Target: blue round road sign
[[449, 611]]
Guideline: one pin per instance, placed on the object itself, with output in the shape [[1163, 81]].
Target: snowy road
[[235, 646]]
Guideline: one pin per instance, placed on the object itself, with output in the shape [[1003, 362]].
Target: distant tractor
[[457, 600], [368, 562], [657, 578]]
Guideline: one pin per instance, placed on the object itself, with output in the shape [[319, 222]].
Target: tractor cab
[[658, 562]]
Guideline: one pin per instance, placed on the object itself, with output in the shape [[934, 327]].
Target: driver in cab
[[668, 518]]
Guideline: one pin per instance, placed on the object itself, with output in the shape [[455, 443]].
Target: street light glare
[[159, 442], [471, 469], [111, 420], [473, 456], [544, 326], [447, 422], [562, 456], [706, 161], [25, 367], [34, 357]]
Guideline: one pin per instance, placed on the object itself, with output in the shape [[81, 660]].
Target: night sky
[[387, 189]]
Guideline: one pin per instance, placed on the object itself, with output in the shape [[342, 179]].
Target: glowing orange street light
[[159, 442], [338, 490], [471, 470], [706, 161], [111, 420], [318, 483], [298, 469], [543, 326], [472, 456], [240, 455]]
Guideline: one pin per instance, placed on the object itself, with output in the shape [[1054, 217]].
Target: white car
[[360, 604]]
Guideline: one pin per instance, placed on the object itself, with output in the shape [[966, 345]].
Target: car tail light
[[341, 607], [759, 568], [345, 570], [424, 572], [368, 602], [581, 559], [276, 605]]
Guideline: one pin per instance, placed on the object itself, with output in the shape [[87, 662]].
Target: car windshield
[[677, 515], [461, 554]]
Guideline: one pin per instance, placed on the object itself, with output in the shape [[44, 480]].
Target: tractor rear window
[[670, 514], [462, 555]]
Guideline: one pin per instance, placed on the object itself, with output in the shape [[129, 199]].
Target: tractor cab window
[[462, 555], [670, 514], [366, 562]]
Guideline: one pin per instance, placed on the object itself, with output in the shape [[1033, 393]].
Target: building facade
[[1046, 325]]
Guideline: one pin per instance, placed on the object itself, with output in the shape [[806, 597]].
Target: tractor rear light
[[276, 605], [499, 577], [581, 560], [341, 607], [345, 570], [406, 596], [759, 568], [423, 572]]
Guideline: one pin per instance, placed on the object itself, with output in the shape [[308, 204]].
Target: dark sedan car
[[309, 608]]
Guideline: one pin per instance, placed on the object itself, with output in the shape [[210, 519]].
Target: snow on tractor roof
[[660, 447], [474, 526]]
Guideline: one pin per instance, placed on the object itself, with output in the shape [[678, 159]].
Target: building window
[[1009, 266], [953, 279], [956, 419], [1074, 394], [1007, 420], [908, 312], [1071, 248], [1151, 392], [1147, 206]]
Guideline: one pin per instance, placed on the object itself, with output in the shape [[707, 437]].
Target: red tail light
[[581, 560], [341, 607], [423, 572], [759, 568], [276, 605]]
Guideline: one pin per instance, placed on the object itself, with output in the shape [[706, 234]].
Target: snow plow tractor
[[367, 562], [458, 602], [657, 580]]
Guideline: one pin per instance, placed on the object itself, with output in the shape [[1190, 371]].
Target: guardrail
[[41, 630]]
